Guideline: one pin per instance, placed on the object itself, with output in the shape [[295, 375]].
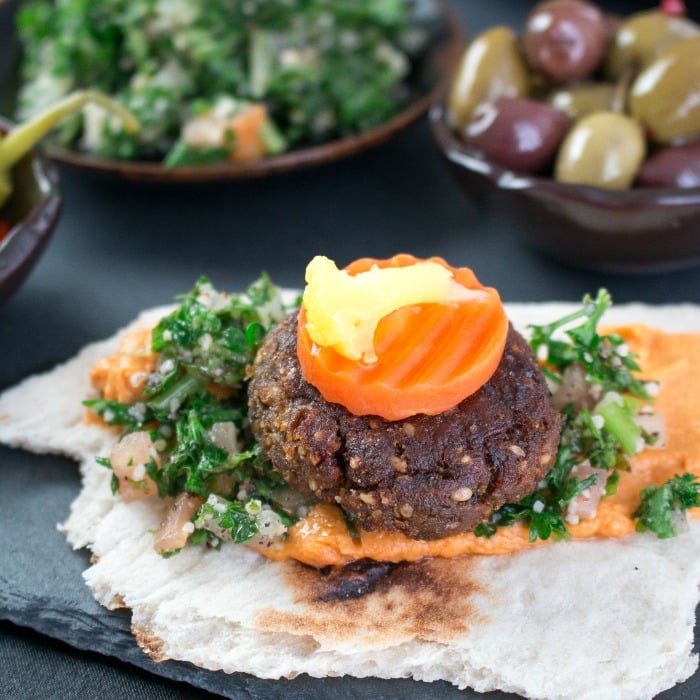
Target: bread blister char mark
[[430, 600]]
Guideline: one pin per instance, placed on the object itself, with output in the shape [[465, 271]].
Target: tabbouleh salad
[[222, 80]]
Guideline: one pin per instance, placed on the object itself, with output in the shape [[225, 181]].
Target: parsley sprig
[[604, 357], [605, 434], [661, 505]]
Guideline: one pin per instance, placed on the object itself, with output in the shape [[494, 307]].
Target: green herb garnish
[[661, 505], [205, 347], [604, 357], [238, 521], [603, 434], [213, 337]]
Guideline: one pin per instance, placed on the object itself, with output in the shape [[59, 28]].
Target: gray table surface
[[121, 247]]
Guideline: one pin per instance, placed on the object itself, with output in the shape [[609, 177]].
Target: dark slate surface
[[120, 248]]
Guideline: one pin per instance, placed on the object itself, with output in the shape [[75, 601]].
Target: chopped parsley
[[324, 69], [661, 505], [602, 433], [253, 521], [194, 405], [231, 517]]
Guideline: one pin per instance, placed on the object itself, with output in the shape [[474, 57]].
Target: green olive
[[585, 98], [665, 96], [604, 149], [491, 67], [642, 36]]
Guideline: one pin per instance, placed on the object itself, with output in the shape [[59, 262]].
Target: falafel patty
[[426, 476]]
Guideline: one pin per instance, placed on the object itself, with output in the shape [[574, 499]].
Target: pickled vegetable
[[22, 138]]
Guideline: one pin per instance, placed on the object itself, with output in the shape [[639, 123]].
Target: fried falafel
[[426, 476]]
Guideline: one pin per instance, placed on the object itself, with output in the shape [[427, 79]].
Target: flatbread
[[590, 620]]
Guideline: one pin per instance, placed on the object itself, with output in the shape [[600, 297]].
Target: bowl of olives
[[584, 129]]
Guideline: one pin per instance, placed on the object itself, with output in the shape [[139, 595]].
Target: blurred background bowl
[[31, 212], [445, 43], [629, 231]]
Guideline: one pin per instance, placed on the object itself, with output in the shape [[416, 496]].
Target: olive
[[517, 133], [585, 98], [491, 67], [673, 166], [665, 96], [604, 149], [642, 36], [565, 39]]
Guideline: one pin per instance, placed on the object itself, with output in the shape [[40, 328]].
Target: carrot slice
[[430, 356], [247, 126]]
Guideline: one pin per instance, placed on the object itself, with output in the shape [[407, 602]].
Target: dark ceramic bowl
[[635, 230], [31, 212]]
